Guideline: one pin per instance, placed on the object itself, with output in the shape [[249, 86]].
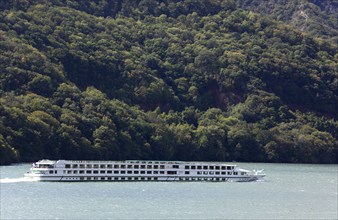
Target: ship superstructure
[[138, 170]]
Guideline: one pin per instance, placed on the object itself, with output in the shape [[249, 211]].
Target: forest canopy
[[215, 80]]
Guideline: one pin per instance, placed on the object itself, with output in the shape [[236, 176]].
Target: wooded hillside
[[215, 80]]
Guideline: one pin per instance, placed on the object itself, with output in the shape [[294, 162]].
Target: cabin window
[[81, 171], [123, 172], [82, 166], [211, 173], [211, 167], [149, 167], [155, 178], [171, 172], [56, 171], [161, 172], [143, 172], [89, 166], [223, 173], [205, 173], [136, 172], [186, 172], [155, 166], [51, 172], [228, 168], [69, 172], [186, 167], [199, 167], [217, 173], [136, 166], [161, 166], [122, 178], [148, 172], [130, 172], [116, 166], [109, 178], [175, 166], [95, 171], [102, 171], [217, 167], [235, 173], [199, 173], [102, 166], [205, 167], [67, 166], [96, 166], [75, 171], [109, 166], [123, 166], [223, 168], [102, 178], [116, 172], [229, 173], [129, 178], [116, 178], [242, 173], [193, 167], [74, 166], [109, 172], [155, 172], [81, 178], [143, 166]]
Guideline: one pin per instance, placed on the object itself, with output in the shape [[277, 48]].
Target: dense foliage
[[168, 80]]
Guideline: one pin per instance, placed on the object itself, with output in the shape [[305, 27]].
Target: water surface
[[290, 191]]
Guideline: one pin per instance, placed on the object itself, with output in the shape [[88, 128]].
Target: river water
[[290, 191]]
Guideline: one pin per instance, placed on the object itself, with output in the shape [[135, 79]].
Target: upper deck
[[134, 164]]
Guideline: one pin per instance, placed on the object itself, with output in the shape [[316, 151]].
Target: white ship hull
[[71, 171]]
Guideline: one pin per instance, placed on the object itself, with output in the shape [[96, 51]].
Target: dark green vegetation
[[168, 80]]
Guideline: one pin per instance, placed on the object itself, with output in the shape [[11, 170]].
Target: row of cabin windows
[[209, 167], [218, 173], [144, 172], [116, 166], [111, 172], [131, 166], [146, 178], [43, 166]]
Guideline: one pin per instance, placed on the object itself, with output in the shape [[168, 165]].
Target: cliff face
[[176, 80]]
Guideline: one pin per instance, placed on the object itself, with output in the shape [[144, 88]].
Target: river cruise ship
[[75, 170]]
